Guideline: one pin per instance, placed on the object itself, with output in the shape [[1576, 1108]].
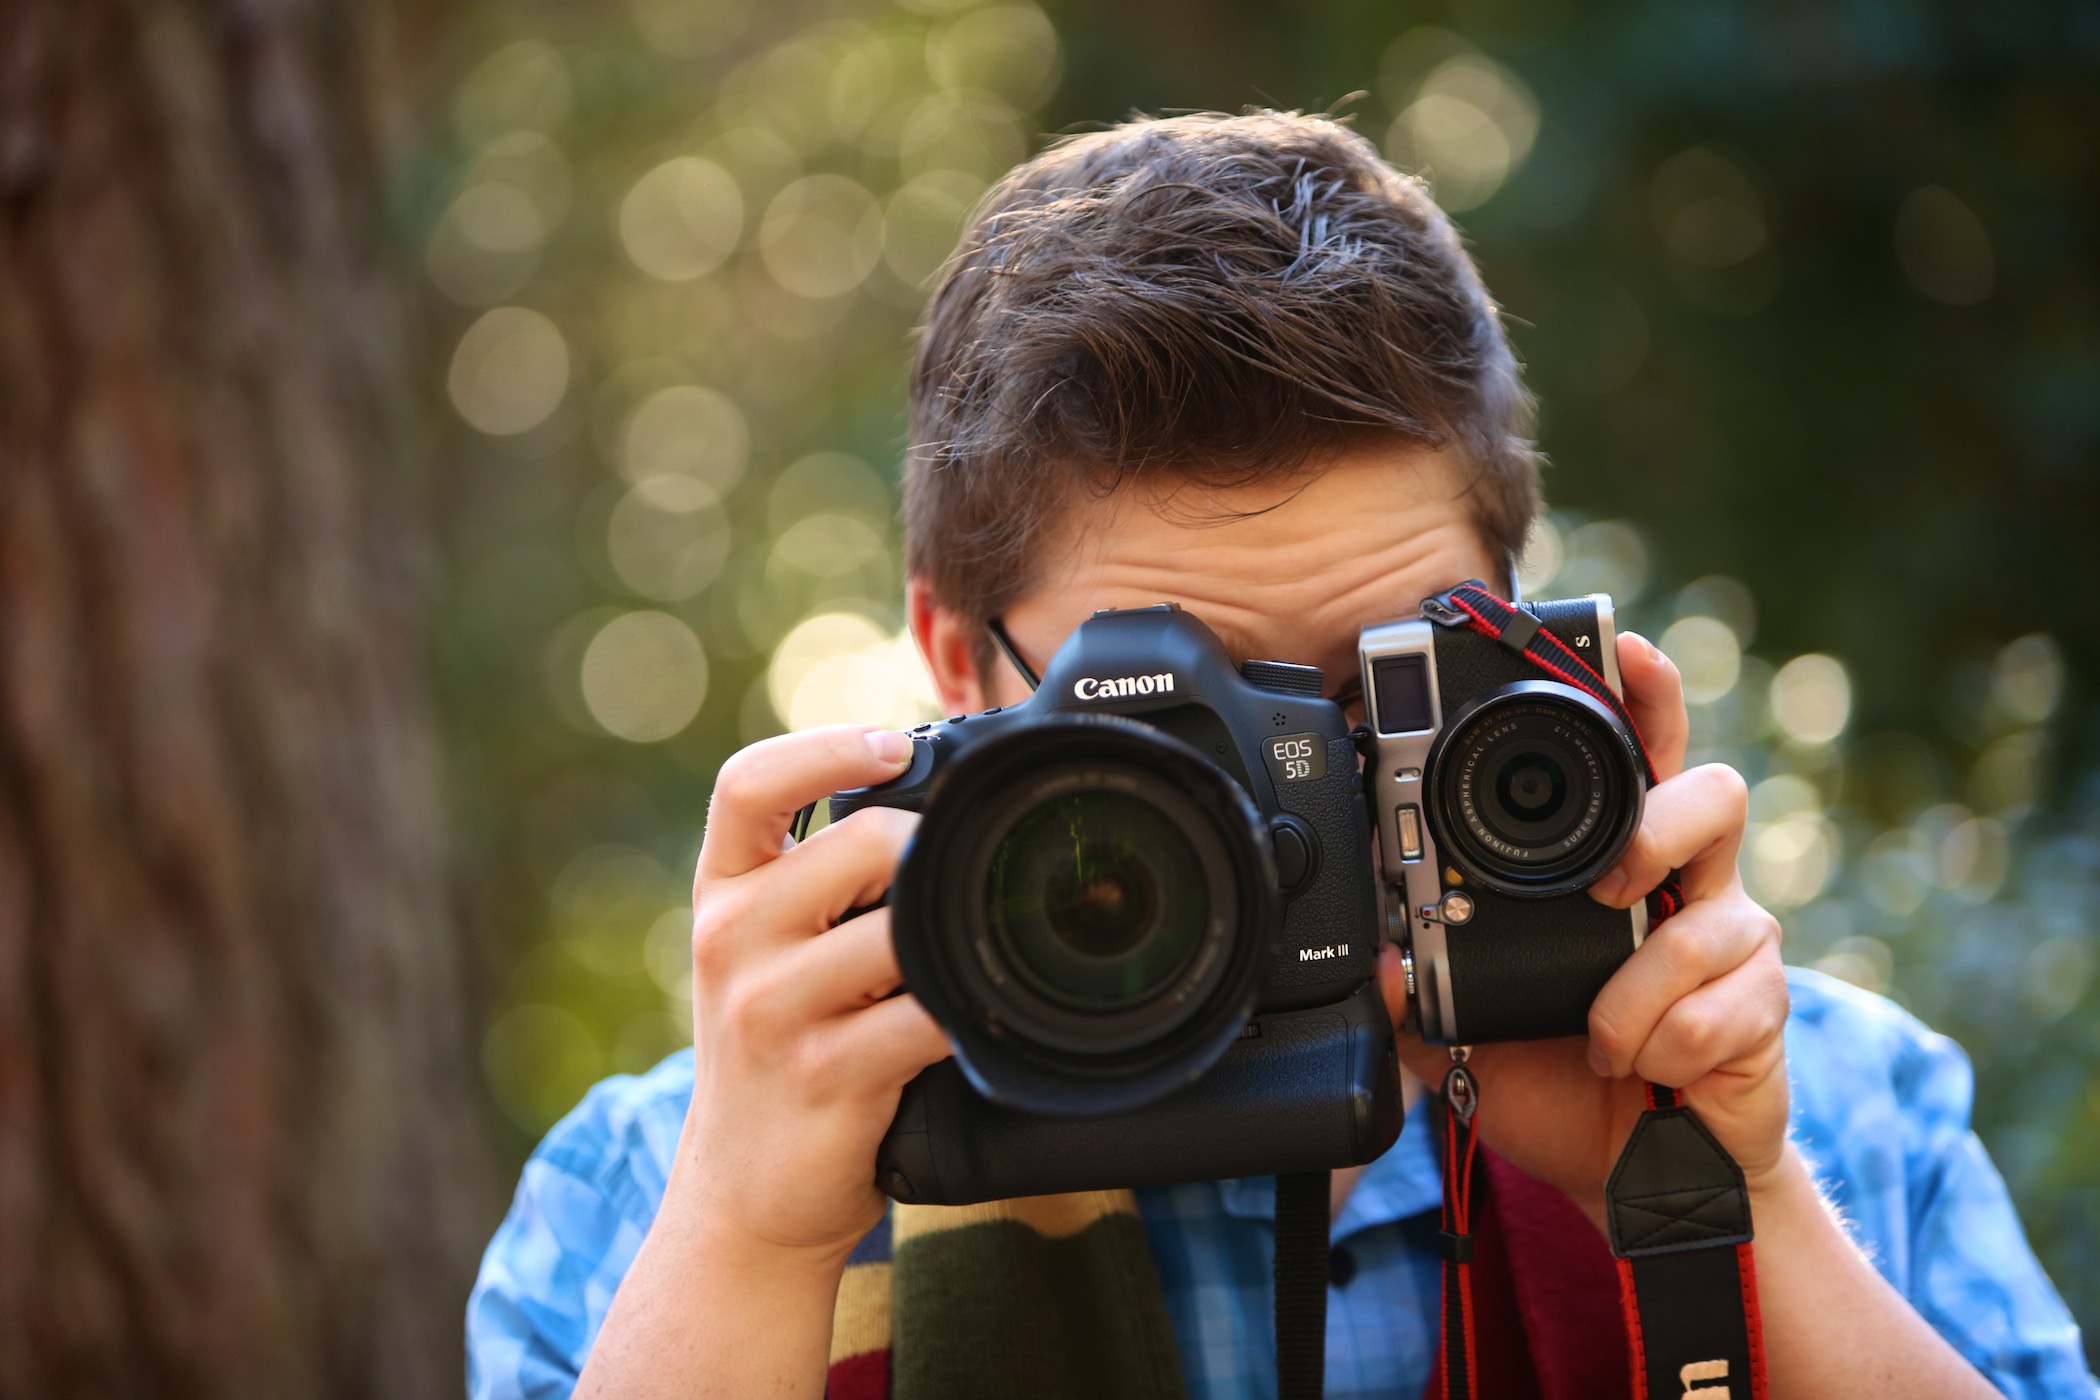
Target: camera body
[[1491, 957], [1146, 903], [1255, 1041]]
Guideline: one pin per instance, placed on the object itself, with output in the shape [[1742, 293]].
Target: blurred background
[[605, 312]]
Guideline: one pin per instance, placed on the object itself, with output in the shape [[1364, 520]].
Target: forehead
[[1281, 570]]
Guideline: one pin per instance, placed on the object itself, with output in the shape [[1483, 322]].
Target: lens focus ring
[[1088, 908], [1535, 789]]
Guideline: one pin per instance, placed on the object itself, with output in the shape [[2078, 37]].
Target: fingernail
[[1608, 889], [890, 746], [1598, 1063]]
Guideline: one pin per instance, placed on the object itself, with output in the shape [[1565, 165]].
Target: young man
[[1242, 365]]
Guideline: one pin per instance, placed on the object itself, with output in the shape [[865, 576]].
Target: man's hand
[[799, 1054], [799, 1051], [1700, 1006]]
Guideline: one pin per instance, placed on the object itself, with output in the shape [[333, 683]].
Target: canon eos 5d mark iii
[[1141, 904]]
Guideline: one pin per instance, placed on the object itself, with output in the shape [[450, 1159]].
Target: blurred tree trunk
[[238, 1137]]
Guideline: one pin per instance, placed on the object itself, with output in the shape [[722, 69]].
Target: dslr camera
[[1146, 904]]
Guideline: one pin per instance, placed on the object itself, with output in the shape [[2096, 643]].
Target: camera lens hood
[[1018, 1040], [1536, 789]]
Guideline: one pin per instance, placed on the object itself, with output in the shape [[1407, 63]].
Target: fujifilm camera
[[1146, 904]]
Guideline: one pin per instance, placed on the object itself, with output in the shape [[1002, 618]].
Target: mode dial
[[1284, 678]]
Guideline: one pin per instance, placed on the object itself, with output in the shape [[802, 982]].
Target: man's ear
[[949, 646]]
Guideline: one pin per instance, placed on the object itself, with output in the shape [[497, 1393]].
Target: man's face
[[1284, 571]]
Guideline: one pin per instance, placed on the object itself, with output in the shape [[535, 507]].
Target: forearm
[[702, 1313], [1832, 1325]]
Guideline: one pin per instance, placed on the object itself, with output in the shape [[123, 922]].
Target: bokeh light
[[603, 903], [1943, 248], [1604, 556], [522, 86], [822, 236], [1708, 657], [922, 221], [968, 131], [1812, 699], [686, 430], [509, 371], [842, 668], [682, 219], [1470, 124], [2027, 679], [644, 676], [1706, 210], [667, 537], [1010, 50], [689, 28]]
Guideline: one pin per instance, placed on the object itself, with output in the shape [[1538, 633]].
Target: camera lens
[[1088, 908], [1532, 785], [1535, 789], [1097, 898]]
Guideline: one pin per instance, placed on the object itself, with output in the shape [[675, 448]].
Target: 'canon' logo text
[[1115, 687]]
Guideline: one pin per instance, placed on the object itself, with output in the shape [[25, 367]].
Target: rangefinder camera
[[1146, 904]]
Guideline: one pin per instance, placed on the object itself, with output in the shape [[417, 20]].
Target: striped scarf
[[1051, 1297]]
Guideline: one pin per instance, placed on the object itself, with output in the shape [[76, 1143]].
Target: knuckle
[[712, 952], [1729, 788], [725, 905], [1607, 1031], [750, 1010], [1692, 1032], [818, 1063], [1778, 1001], [1644, 852], [736, 783], [1689, 945]]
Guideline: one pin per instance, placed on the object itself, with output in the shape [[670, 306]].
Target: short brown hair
[[1212, 297]]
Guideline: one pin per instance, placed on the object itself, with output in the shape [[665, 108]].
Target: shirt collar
[[1404, 1182]]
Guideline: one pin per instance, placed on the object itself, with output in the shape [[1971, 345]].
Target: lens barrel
[[1088, 909], [1536, 788]]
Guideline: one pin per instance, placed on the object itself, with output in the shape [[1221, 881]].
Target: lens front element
[[1088, 908], [1097, 899], [1533, 786], [1535, 789]]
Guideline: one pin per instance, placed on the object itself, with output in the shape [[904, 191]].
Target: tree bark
[[239, 1140]]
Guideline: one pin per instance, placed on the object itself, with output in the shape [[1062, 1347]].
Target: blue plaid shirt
[[1880, 1107]]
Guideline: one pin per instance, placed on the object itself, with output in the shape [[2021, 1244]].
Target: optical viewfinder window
[[1401, 684]]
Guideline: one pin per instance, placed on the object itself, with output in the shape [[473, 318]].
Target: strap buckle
[[1462, 1093], [1439, 608], [1457, 1248]]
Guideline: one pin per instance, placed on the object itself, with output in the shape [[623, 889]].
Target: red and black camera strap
[[1676, 1204], [1461, 1362]]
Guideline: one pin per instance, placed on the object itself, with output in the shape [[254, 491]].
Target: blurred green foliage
[[1808, 293]]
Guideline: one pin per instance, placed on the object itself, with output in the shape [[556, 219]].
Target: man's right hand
[[799, 1050]]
